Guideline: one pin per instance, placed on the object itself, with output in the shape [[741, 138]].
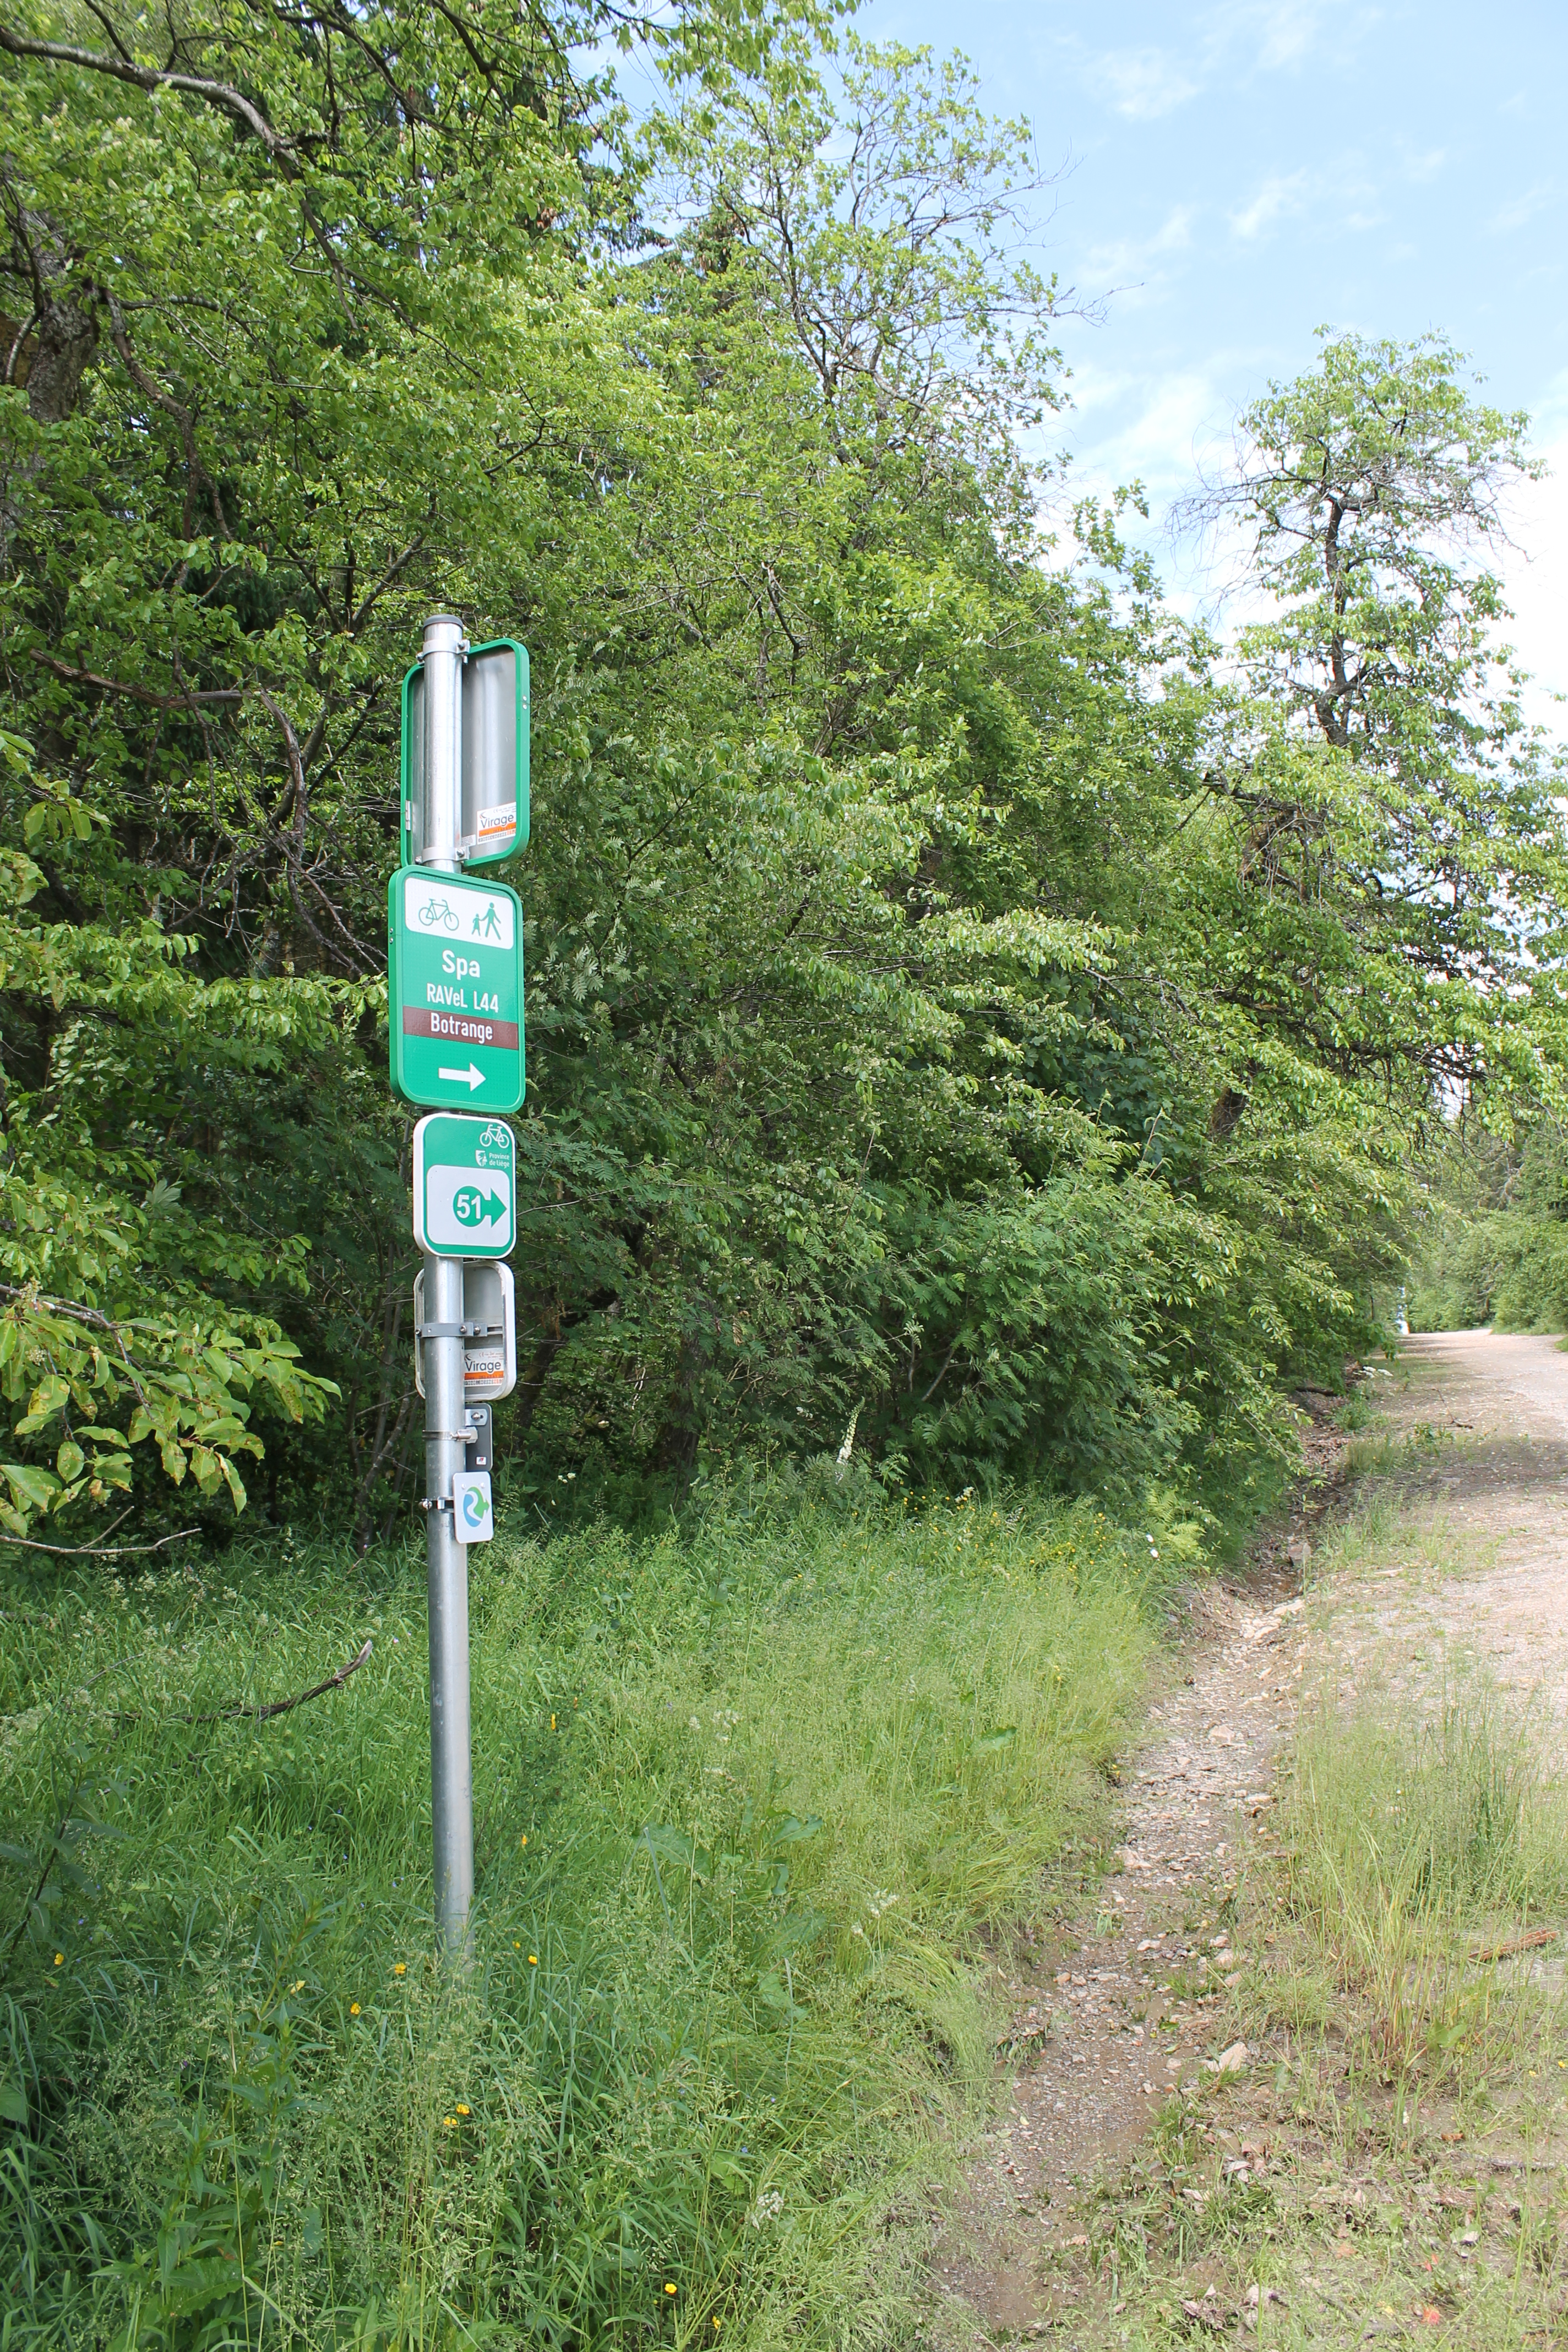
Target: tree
[[1404, 827], [263, 397], [937, 1021]]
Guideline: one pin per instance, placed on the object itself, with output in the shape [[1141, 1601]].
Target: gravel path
[[1478, 1573]]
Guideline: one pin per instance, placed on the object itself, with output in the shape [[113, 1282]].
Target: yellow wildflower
[[400, 1967], [533, 1960], [462, 2110], [354, 2009], [60, 1960]]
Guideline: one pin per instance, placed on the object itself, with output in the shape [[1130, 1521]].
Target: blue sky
[[1235, 175]]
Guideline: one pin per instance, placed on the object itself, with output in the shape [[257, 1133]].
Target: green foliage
[[107, 1334], [948, 1002], [1507, 1269], [744, 1794], [1407, 803], [1494, 1248]]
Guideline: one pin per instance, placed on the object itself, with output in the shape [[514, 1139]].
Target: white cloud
[[1129, 262], [1344, 188], [1146, 82], [1277, 199], [1177, 423], [1283, 33], [1425, 166], [1286, 35], [1524, 208], [1141, 83]]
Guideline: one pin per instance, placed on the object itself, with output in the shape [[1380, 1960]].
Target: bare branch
[[100, 1552], [287, 1706], [75, 677], [171, 407]]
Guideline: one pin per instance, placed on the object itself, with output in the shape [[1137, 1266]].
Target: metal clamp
[[441, 1330], [443, 857], [453, 1436], [435, 1501]]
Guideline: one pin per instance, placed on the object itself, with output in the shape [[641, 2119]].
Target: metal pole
[[451, 1767]]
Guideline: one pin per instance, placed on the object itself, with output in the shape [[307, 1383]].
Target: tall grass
[[1417, 1840], [744, 1794]]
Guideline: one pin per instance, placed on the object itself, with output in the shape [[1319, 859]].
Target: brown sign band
[[459, 1028]]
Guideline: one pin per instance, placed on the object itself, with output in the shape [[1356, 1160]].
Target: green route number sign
[[454, 1002], [465, 1187]]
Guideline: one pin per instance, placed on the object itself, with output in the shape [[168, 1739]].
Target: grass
[[1417, 1838], [748, 1796], [1395, 2164]]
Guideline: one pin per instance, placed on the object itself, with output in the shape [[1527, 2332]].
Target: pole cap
[[443, 632]]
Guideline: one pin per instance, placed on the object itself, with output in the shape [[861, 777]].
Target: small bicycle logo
[[437, 911], [493, 1134]]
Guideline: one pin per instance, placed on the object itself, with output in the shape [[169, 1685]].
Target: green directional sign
[[455, 1003], [465, 1187]]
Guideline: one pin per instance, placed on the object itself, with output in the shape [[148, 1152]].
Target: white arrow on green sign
[[455, 1003], [465, 1187]]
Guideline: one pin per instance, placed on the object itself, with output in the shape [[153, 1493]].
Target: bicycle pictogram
[[437, 911]]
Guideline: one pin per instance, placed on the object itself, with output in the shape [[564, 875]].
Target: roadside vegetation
[[748, 1794], [958, 998]]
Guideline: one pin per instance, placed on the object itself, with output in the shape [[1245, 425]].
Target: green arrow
[[472, 1207]]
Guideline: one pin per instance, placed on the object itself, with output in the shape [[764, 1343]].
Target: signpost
[[454, 999]]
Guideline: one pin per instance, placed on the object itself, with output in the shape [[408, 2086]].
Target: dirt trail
[[1496, 1407], [1481, 1422]]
